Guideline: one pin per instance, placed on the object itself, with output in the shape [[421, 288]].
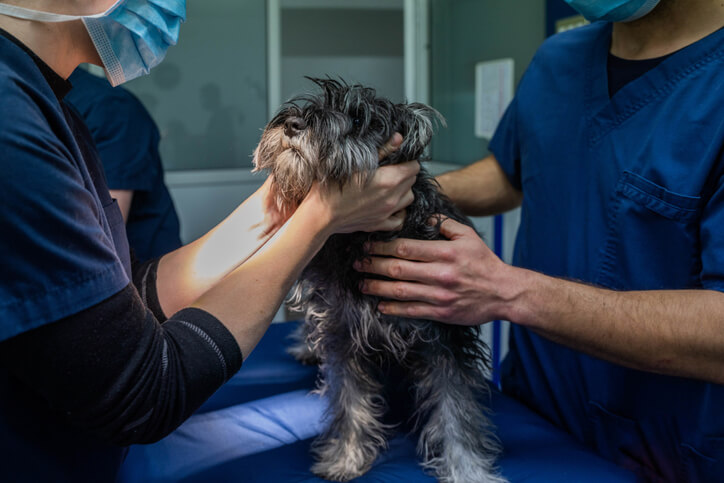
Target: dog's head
[[335, 136]]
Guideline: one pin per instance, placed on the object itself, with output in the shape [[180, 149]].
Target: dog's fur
[[334, 137]]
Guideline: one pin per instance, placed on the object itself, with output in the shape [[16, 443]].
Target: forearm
[[480, 189], [678, 333], [247, 299], [114, 371], [187, 273], [124, 198]]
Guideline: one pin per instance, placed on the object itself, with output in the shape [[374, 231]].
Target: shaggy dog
[[366, 357]]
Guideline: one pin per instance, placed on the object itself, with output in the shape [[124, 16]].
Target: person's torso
[[127, 140], [614, 194], [35, 443]]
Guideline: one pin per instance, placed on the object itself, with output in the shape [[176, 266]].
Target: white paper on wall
[[493, 92]]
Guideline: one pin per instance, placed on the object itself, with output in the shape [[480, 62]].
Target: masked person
[[614, 146], [95, 352], [127, 140]]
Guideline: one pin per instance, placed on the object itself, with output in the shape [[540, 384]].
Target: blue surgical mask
[[131, 37], [613, 10]]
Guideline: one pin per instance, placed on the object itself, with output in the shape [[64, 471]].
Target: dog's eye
[[356, 126]]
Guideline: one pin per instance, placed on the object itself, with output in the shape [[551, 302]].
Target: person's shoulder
[[26, 102], [91, 89], [97, 101], [35, 137], [21, 83], [572, 43]]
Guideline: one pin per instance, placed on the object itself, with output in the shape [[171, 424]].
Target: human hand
[[456, 281], [377, 205]]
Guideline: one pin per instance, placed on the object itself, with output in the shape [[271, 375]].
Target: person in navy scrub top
[[127, 141], [98, 351], [614, 147]]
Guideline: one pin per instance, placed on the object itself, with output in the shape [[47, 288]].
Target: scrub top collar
[[605, 113], [60, 86]]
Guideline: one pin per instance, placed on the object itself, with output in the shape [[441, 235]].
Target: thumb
[[390, 146], [451, 229]]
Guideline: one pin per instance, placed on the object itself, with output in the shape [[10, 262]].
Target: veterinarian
[[127, 140], [614, 146], [86, 366]]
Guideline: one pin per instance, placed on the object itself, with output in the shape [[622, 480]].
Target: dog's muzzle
[[294, 126]]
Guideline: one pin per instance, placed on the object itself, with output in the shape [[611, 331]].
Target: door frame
[[416, 52]]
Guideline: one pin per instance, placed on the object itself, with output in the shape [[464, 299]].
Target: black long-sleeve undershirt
[[115, 371]]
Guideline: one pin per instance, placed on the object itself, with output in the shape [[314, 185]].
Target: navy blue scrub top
[[624, 192], [64, 250], [127, 140]]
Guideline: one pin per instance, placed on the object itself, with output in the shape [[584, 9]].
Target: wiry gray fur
[[335, 136]]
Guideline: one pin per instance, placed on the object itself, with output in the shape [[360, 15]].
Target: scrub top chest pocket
[[652, 239]]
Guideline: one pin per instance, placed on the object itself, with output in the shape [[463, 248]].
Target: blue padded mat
[[259, 426], [268, 441], [268, 370]]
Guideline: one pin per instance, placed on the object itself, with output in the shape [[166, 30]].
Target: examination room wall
[[463, 33], [209, 97]]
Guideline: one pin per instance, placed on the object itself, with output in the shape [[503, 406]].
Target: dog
[[334, 136]]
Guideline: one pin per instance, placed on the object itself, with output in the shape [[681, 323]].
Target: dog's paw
[[338, 470], [464, 470], [339, 460], [303, 354]]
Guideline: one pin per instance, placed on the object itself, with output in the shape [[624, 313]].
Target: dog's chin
[[292, 177]]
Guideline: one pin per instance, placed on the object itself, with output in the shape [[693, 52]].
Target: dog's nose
[[294, 126]]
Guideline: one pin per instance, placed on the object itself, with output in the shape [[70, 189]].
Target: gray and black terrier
[[366, 357]]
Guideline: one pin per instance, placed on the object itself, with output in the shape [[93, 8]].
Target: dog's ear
[[417, 123]]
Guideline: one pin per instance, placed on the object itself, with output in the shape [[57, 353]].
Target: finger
[[394, 222], [452, 229], [390, 146], [406, 200], [409, 171], [413, 310], [406, 291], [414, 250], [399, 269], [398, 177]]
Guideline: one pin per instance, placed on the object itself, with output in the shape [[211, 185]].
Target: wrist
[[316, 215], [442, 181], [519, 290]]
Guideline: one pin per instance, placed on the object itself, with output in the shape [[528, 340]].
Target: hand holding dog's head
[[335, 137]]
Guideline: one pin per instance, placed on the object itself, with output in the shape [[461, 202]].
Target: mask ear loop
[[49, 17]]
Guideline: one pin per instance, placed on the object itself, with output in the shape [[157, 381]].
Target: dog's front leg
[[456, 441], [356, 434], [300, 347]]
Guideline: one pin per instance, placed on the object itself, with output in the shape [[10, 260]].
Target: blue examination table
[[259, 426]]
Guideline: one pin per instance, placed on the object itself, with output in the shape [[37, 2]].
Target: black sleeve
[[144, 278], [115, 371]]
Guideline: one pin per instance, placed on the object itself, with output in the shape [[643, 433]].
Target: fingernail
[[396, 139], [357, 265], [382, 307], [363, 286]]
